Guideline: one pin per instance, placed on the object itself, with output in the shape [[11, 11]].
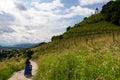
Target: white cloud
[[90, 2], [48, 6], [78, 10], [35, 21]]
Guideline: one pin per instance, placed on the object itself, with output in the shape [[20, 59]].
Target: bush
[[9, 67], [85, 18], [68, 28], [29, 54], [54, 38]]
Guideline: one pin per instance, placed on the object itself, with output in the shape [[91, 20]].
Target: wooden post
[[92, 39], [113, 35], [86, 40]]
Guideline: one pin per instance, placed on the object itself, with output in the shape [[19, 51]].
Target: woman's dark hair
[[27, 61]]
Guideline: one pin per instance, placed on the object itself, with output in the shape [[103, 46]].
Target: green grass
[[66, 60], [7, 68], [91, 29], [92, 19]]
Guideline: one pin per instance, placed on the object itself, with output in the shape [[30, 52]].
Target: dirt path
[[20, 74]]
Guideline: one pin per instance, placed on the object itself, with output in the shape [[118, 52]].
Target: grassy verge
[[7, 68]]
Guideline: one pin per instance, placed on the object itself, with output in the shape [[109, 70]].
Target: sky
[[35, 21]]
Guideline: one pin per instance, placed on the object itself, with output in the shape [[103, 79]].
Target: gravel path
[[20, 74]]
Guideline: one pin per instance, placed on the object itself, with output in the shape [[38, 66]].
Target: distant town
[[4, 52]]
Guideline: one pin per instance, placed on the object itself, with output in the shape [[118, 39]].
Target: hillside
[[95, 24], [76, 59], [90, 28], [87, 51]]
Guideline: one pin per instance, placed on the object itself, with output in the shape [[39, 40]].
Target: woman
[[28, 68]]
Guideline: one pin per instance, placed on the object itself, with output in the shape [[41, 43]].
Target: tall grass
[[7, 68], [88, 51], [74, 59]]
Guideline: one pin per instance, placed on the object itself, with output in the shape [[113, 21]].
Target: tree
[[29, 54], [68, 28], [85, 18], [57, 37], [112, 12]]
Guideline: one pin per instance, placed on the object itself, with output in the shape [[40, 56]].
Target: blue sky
[[34, 21]]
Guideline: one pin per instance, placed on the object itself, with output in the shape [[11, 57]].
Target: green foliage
[[64, 68], [68, 28], [81, 61], [59, 37], [112, 11], [105, 8], [76, 25], [29, 54], [12, 54], [9, 67], [85, 18], [92, 19]]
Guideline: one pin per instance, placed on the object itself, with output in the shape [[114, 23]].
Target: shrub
[[68, 28], [54, 38]]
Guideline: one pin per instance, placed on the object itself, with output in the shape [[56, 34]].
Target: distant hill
[[22, 46], [7, 47], [25, 45], [0, 46]]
